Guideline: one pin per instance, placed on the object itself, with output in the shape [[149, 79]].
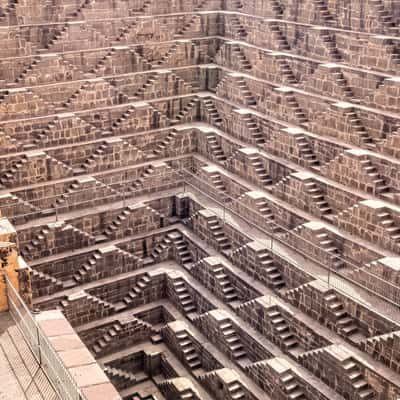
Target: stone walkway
[[9, 387], [30, 383]]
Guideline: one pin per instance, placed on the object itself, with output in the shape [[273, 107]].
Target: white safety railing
[[47, 358]]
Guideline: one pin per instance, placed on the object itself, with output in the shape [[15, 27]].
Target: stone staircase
[[183, 252], [233, 341], [115, 225], [167, 56], [120, 378], [161, 248], [307, 153], [152, 80], [79, 11], [373, 175], [254, 129], [222, 280], [385, 17], [137, 289], [328, 40], [182, 32], [181, 117], [361, 387], [144, 176], [263, 179], [238, 53], [344, 323], [108, 337], [282, 330], [263, 209], [184, 297], [291, 387], [162, 147], [246, 95], [103, 61], [212, 112], [390, 225], [8, 177], [286, 70], [217, 182], [323, 11], [343, 84], [358, 128], [237, 27], [45, 284], [329, 247], [189, 352], [28, 69], [273, 276], [215, 148], [83, 274], [277, 8], [293, 105], [218, 234], [124, 33], [59, 35], [318, 198], [127, 115], [277, 36]]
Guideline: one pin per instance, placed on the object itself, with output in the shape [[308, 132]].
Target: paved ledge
[[88, 375]]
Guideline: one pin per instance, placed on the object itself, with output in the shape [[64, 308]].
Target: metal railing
[[188, 178], [43, 351], [388, 292]]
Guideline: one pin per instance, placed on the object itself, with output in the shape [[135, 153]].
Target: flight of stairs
[[278, 37], [390, 226], [212, 112], [282, 330], [189, 352], [120, 378], [291, 387], [254, 129], [273, 275], [245, 92], [322, 8], [237, 27], [222, 280], [182, 249], [184, 297], [373, 175], [286, 70], [215, 148], [329, 41], [345, 324], [328, 246], [306, 152], [181, 116], [44, 284], [239, 54], [218, 234], [263, 209], [318, 198], [83, 273], [136, 290], [232, 339], [357, 126], [162, 147], [361, 387], [257, 165]]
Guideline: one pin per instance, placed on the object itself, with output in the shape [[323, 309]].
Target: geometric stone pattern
[[209, 191]]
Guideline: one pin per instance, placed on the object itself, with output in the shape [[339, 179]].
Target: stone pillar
[[13, 265]]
